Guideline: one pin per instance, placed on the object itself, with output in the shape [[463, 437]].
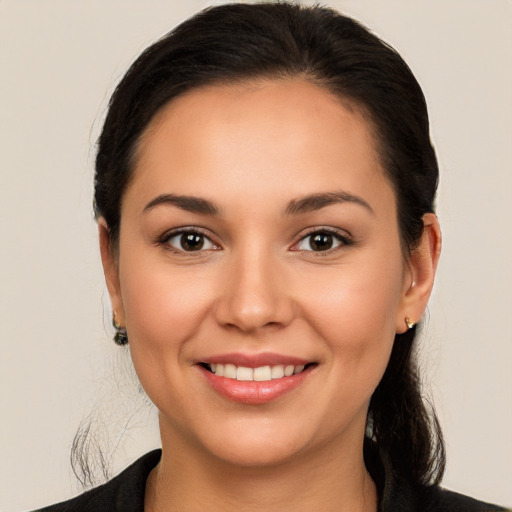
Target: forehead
[[290, 135]]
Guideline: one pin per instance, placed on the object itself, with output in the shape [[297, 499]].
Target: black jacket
[[125, 493]]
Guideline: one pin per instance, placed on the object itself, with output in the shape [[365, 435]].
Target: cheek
[[364, 303], [164, 309], [162, 303], [354, 311]]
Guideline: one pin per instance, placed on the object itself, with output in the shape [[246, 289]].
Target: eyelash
[[342, 239], [166, 237]]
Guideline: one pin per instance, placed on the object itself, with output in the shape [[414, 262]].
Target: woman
[[264, 193]]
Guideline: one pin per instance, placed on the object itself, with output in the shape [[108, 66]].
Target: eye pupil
[[192, 241], [321, 242]]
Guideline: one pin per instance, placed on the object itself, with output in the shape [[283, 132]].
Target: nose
[[254, 294]]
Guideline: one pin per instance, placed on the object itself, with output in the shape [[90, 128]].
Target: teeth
[[230, 371], [262, 373], [298, 369], [277, 372], [243, 373]]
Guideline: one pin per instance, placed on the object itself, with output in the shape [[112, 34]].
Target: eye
[[321, 241], [189, 241]]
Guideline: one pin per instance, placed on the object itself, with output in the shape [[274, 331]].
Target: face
[[259, 273]]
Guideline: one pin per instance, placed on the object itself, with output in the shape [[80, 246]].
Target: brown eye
[[321, 241], [190, 241]]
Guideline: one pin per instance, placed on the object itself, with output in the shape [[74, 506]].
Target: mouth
[[249, 381], [258, 374]]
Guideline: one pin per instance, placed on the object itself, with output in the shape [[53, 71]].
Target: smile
[[255, 380], [259, 374]]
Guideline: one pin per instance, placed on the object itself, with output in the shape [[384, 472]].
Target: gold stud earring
[[410, 324], [120, 337]]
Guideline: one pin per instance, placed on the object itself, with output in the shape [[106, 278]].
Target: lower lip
[[254, 392]]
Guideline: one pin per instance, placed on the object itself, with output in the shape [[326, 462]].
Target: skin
[[258, 287]]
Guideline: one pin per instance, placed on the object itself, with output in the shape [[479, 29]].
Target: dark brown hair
[[238, 42]]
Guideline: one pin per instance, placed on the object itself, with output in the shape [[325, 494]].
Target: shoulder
[[409, 498], [398, 494], [123, 493], [443, 500]]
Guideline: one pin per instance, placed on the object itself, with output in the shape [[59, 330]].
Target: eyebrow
[[318, 201], [310, 203], [187, 203]]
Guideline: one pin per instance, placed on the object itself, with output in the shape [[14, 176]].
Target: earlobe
[[422, 263], [110, 269]]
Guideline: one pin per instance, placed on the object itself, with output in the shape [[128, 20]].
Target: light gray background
[[59, 61]]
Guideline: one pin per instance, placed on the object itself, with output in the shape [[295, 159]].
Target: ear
[[419, 279], [109, 259]]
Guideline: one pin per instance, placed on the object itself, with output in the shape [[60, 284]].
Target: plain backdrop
[[59, 62]]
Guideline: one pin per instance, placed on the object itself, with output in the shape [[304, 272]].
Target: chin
[[256, 452], [250, 442]]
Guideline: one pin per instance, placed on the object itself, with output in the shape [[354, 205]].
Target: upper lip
[[255, 360]]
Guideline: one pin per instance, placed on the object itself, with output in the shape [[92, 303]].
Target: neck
[[331, 480]]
